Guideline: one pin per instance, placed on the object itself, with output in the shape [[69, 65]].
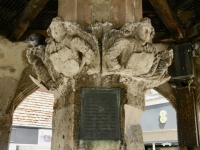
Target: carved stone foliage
[[72, 49]]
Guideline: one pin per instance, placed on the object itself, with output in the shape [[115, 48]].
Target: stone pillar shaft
[[7, 92], [87, 12], [5, 130], [91, 52], [65, 121], [133, 131], [64, 128]]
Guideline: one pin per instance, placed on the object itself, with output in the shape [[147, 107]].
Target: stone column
[[87, 12], [5, 130], [7, 90], [98, 55], [141, 66]]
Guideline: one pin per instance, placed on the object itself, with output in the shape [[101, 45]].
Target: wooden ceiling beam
[[163, 37], [193, 31], [170, 21], [32, 10], [30, 32]]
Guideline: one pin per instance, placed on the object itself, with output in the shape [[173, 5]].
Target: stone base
[[64, 127], [133, 131], [134, 140], [99, 145]]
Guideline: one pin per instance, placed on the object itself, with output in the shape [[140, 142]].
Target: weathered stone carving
[[69, 49], [130, 53], [129, 60]]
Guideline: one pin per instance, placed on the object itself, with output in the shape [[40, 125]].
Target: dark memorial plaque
[[100, 114]]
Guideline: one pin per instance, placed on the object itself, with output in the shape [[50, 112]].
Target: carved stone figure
[[130, 52], [129, 61], [68, 50]]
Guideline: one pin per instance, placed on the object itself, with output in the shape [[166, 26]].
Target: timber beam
[[30, 32], [193, 31], [163, 37], [170, 21], [33, 8], [187, 114]]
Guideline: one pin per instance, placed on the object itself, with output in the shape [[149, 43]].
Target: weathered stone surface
[[5, 130], [101, 145], [133, 10], [69, 51], [134, 140], [167, 91], [101, 11], [133, 131], [12, 63], [88, 12], [141, 67], [122, 47], [68, 10], [117, 12], [24, 88], [63, 128], [84, 12], [71, 60], [7, 91], [129, 53]]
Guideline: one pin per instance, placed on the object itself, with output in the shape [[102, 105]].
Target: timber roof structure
[[173, 20]]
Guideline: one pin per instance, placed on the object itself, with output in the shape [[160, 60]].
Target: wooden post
[[186, 117]]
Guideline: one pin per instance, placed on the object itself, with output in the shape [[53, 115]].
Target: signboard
[[44, 137], [100, 114]]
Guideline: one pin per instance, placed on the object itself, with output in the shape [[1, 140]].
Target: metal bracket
[[190, 82]]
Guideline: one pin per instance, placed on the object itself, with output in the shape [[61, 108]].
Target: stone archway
[[25, 88], [166, 90]]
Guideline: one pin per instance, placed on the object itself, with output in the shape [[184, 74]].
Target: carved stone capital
[[100, 56], [72, 50], [130, 53]]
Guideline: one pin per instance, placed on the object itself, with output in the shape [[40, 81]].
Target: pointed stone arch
[[25, 87], [167, 91]]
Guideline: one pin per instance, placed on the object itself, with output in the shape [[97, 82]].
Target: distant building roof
[[35, 110]]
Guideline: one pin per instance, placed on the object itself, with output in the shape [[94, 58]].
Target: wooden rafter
[[193, 32], [30, 32], [163, 37], [163, 10], [28, 15]]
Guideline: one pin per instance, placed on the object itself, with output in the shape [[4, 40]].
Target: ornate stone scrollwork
[[69, 49]]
